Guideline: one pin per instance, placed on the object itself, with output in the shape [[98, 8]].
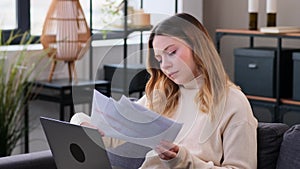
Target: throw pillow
[[269, 138], [289, 156]]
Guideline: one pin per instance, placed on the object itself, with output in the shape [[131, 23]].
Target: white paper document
[[131, 122]]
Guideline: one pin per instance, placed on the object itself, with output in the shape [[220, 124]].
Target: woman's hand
[[89, 125], [167, 150]]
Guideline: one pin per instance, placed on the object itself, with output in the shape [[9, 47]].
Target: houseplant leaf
[[15, 72]]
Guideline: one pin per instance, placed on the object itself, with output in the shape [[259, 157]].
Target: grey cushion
[[289, 157], [128, 155], [269, 138], [36, 160]]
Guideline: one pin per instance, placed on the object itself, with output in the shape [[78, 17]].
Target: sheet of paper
[[131, 122]]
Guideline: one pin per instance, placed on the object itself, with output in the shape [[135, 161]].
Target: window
[[18, 9], [39, 9], [29, 15], [8, 8], [38, 12]]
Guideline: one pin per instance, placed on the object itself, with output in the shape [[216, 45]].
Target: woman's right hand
[[89, 125]]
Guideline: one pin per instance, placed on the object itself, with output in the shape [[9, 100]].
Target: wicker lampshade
[[66, 33]]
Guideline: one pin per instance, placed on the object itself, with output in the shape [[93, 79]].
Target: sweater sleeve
[[109, 142], [240, 151]]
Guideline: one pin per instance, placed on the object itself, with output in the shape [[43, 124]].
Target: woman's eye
[[172, 53]]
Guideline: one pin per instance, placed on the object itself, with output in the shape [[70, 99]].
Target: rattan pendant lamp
[[66, 34]]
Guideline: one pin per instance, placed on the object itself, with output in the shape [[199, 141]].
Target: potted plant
[[15, 72]]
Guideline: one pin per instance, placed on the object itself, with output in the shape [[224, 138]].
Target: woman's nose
[[165, 63]]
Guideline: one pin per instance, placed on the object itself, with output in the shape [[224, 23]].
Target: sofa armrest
[[35, 160]]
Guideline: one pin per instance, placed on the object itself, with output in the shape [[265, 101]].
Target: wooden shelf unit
[[121, 33], [278, 101]]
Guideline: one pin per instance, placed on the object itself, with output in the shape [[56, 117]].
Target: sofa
[[278, 148]]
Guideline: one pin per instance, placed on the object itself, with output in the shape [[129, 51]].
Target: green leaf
[[15, 91]]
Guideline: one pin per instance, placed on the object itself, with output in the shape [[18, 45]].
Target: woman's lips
[[171, 75]]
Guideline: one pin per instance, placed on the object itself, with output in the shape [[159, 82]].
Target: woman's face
[[175, 58]]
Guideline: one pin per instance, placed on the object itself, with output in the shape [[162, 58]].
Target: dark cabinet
[[255, 71], [137, 77], [270, 77], [296, 76]]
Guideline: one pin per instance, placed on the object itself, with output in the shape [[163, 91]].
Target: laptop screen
[[75, 146]]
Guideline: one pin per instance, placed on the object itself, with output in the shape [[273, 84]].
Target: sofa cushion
[[269, 138], [289, 156], [128, 155], [35, 160]]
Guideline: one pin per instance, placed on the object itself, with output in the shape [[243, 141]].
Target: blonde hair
[[188, 29]]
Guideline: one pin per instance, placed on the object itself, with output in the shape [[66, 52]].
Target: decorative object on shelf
[[140, 18], [66, 33], [113, 16], [271, 12], [110, 11], [280, 29], [15, 71], [253, 14]]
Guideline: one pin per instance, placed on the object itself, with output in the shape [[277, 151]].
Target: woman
[[189, 84]]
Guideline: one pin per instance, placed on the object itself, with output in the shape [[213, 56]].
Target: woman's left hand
[[167, 150]]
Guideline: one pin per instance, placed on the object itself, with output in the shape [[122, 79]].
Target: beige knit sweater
[[228, 141]]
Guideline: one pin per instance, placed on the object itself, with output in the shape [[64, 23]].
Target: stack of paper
[[280, 29], [131, 122]]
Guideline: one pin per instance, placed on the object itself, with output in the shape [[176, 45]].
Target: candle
[[252, 6], [271, 10], [253, 14], [271, 6]]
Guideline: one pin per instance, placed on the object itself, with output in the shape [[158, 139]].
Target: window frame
[[23, 22]]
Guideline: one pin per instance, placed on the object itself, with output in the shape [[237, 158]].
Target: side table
[[65, 93]]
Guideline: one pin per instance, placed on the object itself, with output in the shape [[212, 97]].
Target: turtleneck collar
[[196, 83]]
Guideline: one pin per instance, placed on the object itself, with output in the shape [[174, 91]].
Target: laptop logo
[[77, 152]]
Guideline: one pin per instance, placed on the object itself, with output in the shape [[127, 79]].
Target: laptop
[[74, 146]]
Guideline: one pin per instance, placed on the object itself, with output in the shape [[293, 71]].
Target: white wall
[[167, 8], [194, 7]]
